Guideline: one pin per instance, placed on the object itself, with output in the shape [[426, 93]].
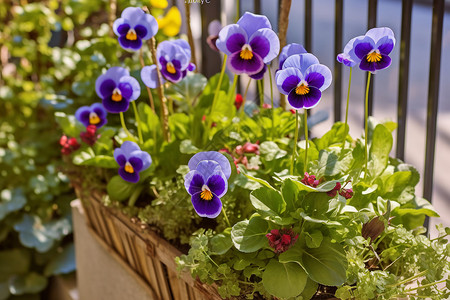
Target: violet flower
[[374, 48], [92, 115], [348, 56], [303, 79], [117, 88], [134, 26], [207, 182], [289, 50], [251, 43], [131, 161], [173, 60]]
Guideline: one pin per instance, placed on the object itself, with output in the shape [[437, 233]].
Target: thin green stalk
[[138, 120], [425, 285], [295, 143], [232, 89], [238, 10], [346, 108], [271, 101], [261, 94], [122, 121], [366, 127], [226, 217], [408, 279], [245, 98], [305, 118]]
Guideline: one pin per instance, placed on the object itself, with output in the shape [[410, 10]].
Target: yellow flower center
[[374, 56], [129, 168], [131, 35], [170, 68], [302, 89], [93, 118], [246, 52], [116, 95], [206, 193]]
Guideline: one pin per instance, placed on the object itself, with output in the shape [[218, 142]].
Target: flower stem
[[122, 121], [366, 127], [232, 89], [238, 10], [261, 94], [295, 143], [346, 109], [160, 89], [305, 118], [189, 31], [149, 92], [245, 98], [138, 120], [271, 101], [226, 217]]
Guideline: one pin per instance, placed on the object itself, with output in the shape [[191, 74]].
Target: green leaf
[[313, 239], [221, 243], [420, 207], [30, 283], [11, 201], [270, 151], [187, 147], [267, 201], [309, 290], [187, 89], [258, 180], [4, 290], [323, 187], [249, 235], [119, 189], [333, 136], [284, 280], [88, 158], [290, 192], [70, 126], [62, 263], [331, 165], [379, 150], [15, 261], [179, 124], [211, 86], [326, 264]]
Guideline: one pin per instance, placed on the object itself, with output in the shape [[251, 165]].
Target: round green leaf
[[249, 236], [119, 189], [284, 280], [30, 283]]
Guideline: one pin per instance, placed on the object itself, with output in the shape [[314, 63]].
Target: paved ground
[[386, 81]]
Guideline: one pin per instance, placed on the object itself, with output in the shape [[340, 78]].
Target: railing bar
[[210, 60], [371, 23], [308, 25], [338, 28], [433, 95], [257, 6], [403, 77]]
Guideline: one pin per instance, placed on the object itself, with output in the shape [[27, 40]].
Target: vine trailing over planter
[[266, 215]]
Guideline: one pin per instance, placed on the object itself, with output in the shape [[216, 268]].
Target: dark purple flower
[[214, 156], [374, 48], [303, 79], [131, 161], [92, 115], [250, 44], [348, 57], [173, 60], [206, 184], [117, 88], [134, 26], [281, 240], [290, 50]]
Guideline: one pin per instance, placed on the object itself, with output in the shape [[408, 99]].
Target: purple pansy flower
[[207, 182], [303, 79], [134, 26], [92, 115], [290, 50], [348, 57], [251, 43], [173, 60], [131, 161], [117, 88], [213, 34], [373, 49]]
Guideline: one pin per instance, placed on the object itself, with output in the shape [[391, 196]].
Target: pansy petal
[[82, 115], [144, 157], [300, 61], [120, 27], [318, 76], [214, 27], [130, 177], [362, 49], [231, 39], [266, 43], [304, 101], [149, 76], [238, 66], [136, 163], [128, 147], [134, 84], [150, 24], [106, 88], [288, 79], [119, 157], [289, 50], [131, 45], [385, 45], [383, 63], [114, 74], [217, 183], [193, 182], [206, 208], [367, 66], [379, 33], [115, 106], [252, 22], [214, 156], [132, 15], [141, 31], [184, 45], [260, 74]]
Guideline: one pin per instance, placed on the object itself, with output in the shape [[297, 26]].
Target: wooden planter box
[[149, 256]]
